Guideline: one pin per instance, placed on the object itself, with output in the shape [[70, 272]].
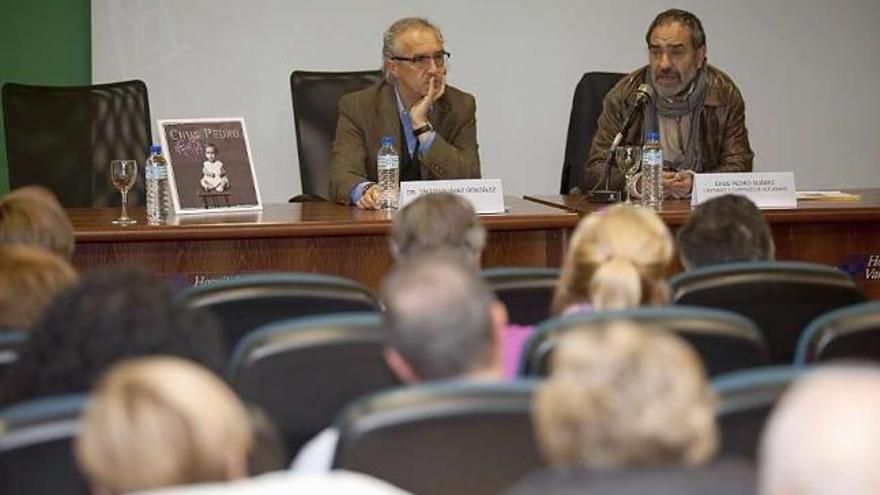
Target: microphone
[[643, 93]]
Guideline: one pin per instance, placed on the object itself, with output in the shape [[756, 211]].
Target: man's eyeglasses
[[422, 61]]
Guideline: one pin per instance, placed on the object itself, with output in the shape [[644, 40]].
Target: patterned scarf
[[691, 105]]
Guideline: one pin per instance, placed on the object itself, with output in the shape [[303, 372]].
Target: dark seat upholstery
[[315, 100], [245, 303], [781, 297], [746, 399], [11, 343], [526, 291], [852, 332], [451, 437], [302, 372], [725, 341], [64, 138], [36, 455], [585, 110]]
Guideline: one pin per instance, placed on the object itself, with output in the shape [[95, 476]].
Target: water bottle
[[652, 172], [158, 197], [388, 167]]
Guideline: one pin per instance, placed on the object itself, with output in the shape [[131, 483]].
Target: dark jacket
[[723, 127]]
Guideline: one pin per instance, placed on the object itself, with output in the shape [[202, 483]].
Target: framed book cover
[[209, 164]]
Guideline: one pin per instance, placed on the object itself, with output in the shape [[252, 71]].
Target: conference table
[[311, 237], [844, 233]]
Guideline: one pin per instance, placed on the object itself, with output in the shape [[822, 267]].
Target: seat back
[[452, 437], [11, 343], [852, 332], [526, 291], [302, 372], [781, 297], [245, 303], [746, 399], [36, 454], [315, 100], [64, 138], [724, 341], [585, 110]]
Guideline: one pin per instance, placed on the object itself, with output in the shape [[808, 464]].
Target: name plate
[[765, 189], [484, 194]]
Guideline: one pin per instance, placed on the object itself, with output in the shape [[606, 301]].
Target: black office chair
[[302, 372], [64, 138], [526, 291], [781, 297], [852, 332], [11, 343], [245, 303], [745, 400], [315, 100], [452, 437], [36, 455], [725, 341], [585, 110]]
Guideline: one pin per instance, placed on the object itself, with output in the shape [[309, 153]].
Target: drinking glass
[[123, 174], [629, 161]]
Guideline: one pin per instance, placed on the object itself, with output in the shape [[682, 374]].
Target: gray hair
[[392, 34], [439, 314], [698, 36]]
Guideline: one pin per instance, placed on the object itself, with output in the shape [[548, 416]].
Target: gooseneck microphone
[[643, 93]]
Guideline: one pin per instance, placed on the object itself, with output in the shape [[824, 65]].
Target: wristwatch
[[423, 129]]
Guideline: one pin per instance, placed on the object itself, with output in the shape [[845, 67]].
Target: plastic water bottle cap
[[653, 136], [387, 141], [155, 149]]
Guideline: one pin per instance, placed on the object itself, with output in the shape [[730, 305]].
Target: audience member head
[[444, 320], [621, 396], [434, 221], [823, 438], [162, 421], [725, 229], [112, 314], [617, 259], [32, 215], [29, 278]]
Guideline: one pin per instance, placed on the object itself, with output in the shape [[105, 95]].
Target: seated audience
[[722, 230], [628, 410], [823, 438], [166, 422], [29, 278], [438, 220], [32, 215], [618, 258], [443, 323], [112, 314]]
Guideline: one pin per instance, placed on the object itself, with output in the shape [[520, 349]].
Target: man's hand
[[677, 184], [371, 199], [418, 114]]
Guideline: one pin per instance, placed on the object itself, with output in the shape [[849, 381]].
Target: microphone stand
[[607, 195]]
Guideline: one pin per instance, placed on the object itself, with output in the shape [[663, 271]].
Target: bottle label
[[387, 162], [154, 171]]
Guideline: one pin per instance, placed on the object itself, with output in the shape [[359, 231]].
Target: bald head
[[824, 436]]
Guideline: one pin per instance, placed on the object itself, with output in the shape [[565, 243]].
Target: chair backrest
[[781, 297], [725, 341], [64, 138], [302, 372], [315, 100], [36, 455], [852, 332], [452, 437], [250, 301], [746, 399], [526, 291], [585, 110]]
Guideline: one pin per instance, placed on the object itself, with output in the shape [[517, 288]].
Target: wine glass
[[629, 162], [123, 174]]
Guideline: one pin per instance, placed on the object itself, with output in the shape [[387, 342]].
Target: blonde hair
[[162, 421], [32, 215], [622, 396], [30, 278], [617, 259]]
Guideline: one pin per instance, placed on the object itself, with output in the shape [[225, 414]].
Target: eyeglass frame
[[440, 58]]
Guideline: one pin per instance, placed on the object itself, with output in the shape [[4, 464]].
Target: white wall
[[807, 69]]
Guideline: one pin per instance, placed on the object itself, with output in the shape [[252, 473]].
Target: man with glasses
[[697, 109], [433, 125]]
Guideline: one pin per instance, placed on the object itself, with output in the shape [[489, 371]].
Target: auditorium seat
[[527, 292], [725, 341], [852, 332]]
